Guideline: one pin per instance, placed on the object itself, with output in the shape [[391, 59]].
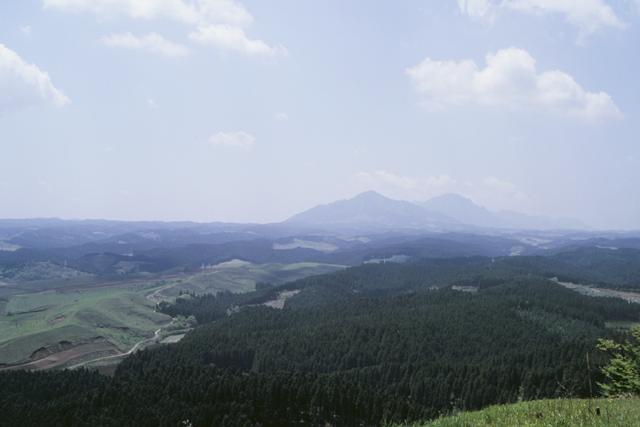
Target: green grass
[[242, 277], [550, 413], [19, 348], [123, 314]]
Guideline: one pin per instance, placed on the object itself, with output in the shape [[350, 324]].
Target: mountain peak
[[371, 209], [369, 195]]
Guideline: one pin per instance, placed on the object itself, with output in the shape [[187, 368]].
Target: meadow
[[109, 318], [548, 413]]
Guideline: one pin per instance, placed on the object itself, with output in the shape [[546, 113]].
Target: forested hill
[[606, 268], [366, 346]]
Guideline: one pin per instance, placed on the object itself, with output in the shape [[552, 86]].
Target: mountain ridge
[[371, 209], [446, 212]]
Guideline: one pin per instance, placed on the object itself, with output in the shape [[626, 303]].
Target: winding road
[[133, 349]]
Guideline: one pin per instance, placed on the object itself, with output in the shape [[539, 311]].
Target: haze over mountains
[[366, 227], [371, 209], [365, 214], [449, 212]]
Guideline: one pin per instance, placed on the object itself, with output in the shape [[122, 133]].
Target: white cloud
[[23, 84], [234, 38], [137, 9], [219, 23], [224, 12], [151, 103], [152, 42], [190, 12], [510, 79], [26, 30], [589, 16], [478, 9], [282, 117], [240, 139]]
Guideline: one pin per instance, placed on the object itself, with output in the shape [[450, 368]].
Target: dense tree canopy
[[364, 346]]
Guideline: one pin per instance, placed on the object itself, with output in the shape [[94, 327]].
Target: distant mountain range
[[361, 217], [467, 212], [449, 212], [371, 210]]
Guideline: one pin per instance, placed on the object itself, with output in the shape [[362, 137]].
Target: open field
[[306, 244], [38, 324], [72, 355], [72, 323], [549, 413], [239, 276], [593, 291]]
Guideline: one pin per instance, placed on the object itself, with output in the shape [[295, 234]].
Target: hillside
[[419, 325], [96, 317], [371, 345], [544, 413]]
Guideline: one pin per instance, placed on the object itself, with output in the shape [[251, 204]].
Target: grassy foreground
[[548, 413]]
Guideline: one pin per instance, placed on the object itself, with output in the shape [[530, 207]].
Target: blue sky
[[251, 111]]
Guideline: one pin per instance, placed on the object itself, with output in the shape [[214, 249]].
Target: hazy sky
[[221, 110]]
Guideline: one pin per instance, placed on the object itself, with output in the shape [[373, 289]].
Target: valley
[[233, 213], [332, 317]]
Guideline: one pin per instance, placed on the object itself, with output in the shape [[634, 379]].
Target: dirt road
[[133, 349]]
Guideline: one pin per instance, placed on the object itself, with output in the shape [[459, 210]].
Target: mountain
[[449, 212], [462, 210], [465, 211], [371, 210]]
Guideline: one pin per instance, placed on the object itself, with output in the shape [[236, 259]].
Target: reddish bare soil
[[74, 354]]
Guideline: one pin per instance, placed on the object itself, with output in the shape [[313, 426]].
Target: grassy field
[[121, 316], [550, 413], [239, 276], [34, 323]]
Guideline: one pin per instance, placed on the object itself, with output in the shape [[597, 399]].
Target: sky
[[221, 110]]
